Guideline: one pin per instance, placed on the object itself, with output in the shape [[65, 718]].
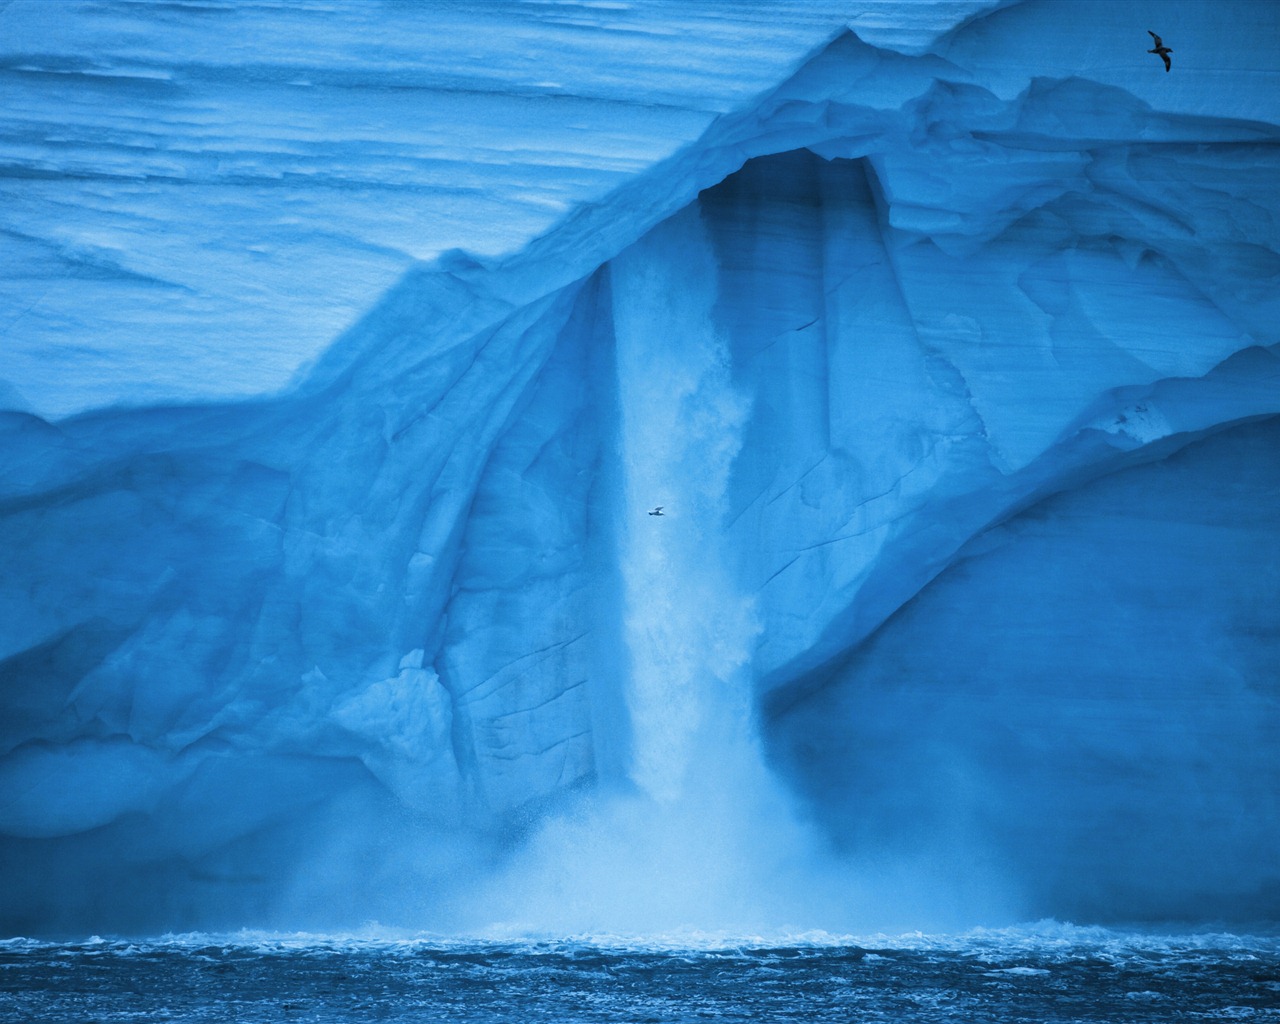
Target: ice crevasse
[[950, 356]]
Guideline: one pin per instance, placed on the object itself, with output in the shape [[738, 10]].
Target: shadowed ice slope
[[958, 397]]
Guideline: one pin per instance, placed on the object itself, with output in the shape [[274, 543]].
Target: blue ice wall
[[957, 389], [1086, 697]]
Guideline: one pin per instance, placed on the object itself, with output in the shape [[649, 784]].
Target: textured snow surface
[[198, 197], [347, 347]]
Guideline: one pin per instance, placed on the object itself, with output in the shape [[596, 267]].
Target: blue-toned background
[[344, 349]]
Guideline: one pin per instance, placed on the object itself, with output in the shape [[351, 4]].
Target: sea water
[[1044, 973]]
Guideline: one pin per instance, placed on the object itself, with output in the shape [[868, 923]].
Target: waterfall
[[701, 836], [688, 632], [705, 837]]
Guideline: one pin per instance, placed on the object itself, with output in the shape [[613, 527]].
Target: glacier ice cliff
[[337, 388]]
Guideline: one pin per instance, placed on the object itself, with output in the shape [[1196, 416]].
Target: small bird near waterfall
[[1161, 50], [657, 511]]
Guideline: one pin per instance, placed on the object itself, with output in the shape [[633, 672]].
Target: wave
[[1045, 940]]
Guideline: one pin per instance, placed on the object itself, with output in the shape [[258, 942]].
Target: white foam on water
[[1046, 940]]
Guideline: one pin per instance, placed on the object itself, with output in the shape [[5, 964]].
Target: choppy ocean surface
[[1043, 973]]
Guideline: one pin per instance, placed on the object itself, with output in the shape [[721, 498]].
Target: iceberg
[[343, 364]]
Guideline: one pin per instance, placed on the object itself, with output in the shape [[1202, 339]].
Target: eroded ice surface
[[952, 362]]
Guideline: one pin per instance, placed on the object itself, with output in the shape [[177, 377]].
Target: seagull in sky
[[1161, 50], [657, 511]]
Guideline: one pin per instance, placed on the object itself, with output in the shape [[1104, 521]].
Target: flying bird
[[657, 511], [1161, 51]]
